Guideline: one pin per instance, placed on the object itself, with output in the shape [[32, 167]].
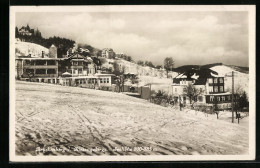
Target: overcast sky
[[188, 37]]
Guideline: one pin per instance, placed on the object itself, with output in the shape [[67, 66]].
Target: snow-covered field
[[91, 122]]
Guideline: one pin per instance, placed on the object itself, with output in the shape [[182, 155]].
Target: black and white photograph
[[132, 83]]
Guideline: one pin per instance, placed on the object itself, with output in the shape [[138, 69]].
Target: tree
[[168, 64], [16, 32], [134, 79], [99, 53], [192, 92], [215, 107], [240, 98], [119, 72], [140, 62], [129, 58], [158, 66]]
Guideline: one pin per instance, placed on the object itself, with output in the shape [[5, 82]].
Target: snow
[[50, 115], [240, 79], [26, 48], [194, 76]]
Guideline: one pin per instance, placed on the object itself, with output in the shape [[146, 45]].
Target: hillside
[[26, 48], [184, 68], [149, 75], [79, 121], [131, 67]]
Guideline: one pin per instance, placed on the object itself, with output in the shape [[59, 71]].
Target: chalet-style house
[[209, 85], [72, 70]]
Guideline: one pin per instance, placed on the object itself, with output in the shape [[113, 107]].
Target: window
[[200, 90], [51, 71], [210, 80], [223, 98], [200, 98], [40, 62], [80, 71], [215, 80], [75, 63], [29, 71], [184, 89], [51, 62], [176, 89], [221, 89], [210, 88], [218, 98], [40, 71], [221, 80], [215, 88], [107, 80], [27, 62], [211, 98], [228, 97]]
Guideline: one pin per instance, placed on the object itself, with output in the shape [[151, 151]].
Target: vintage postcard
[[132, 83]]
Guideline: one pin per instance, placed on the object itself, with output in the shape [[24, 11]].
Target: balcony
[[40, 66]]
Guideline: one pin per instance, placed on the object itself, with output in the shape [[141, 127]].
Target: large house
[[108, 53], [39, 69], [75, 69], [209, 85], [26, 30]]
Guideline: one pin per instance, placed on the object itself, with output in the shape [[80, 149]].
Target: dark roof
[[176, 80], [206, 73], [200, 81]]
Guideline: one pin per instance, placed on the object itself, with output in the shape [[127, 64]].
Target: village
[[202, 86], [203, 91]]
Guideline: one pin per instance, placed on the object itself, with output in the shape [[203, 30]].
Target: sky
[[188, 37]]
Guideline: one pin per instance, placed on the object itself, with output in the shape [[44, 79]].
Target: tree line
[[62, 44], [168, 64]]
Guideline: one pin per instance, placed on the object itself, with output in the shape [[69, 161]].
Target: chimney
[[42, 54]]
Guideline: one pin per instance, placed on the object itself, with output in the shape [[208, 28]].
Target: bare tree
[[240, 98], [168, 64], [192, 92], [120, 79], [215, 107]]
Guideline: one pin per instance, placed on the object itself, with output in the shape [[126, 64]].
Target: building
[[108, 53], [26, 30], [209, 85], [37, 69], [74, 70]]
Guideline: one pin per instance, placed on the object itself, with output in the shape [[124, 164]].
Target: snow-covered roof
[[194, 76], [179, 76], [66, 73]]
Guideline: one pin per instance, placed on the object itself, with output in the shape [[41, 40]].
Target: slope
[[81, 121]]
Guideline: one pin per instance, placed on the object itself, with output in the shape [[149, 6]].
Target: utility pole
[[232, 96], [150, 92], [232, 103]]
